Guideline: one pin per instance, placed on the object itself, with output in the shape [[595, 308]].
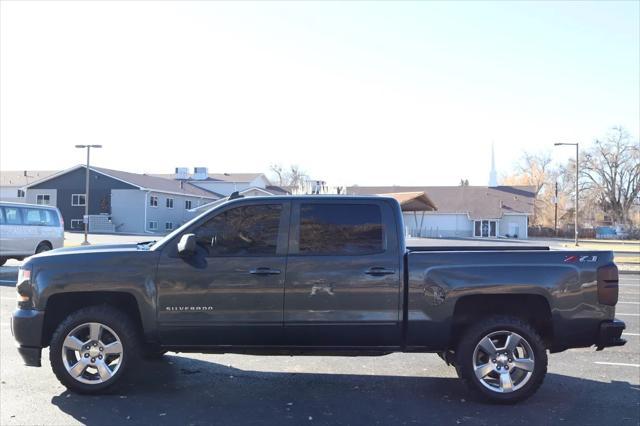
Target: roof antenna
[[234, 195]]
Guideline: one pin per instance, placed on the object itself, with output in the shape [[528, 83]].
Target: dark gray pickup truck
[[313, 275]]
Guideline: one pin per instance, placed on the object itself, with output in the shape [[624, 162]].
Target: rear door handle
[[264, 271], [378, 271]]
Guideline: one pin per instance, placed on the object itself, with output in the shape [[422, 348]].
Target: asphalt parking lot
[[583, 387]]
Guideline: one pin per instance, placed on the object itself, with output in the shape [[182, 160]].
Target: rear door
[[343, 275]]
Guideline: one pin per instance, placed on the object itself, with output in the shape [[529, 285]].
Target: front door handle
[[264, 271], [378, 271]]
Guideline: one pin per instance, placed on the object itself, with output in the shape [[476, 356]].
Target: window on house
[[341, 229], [153, 225], [78, 200], [168, 226], [169, 203], [242, 231], [44, 199], [485, 228], [187, 204], [20, 193], [76, 224], [153, 201]]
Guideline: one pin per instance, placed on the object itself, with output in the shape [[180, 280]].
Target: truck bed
[[415, 249]]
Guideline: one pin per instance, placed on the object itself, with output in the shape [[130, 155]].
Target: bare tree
[[293, 176], [296, 178], [535, 169], [612, 171], [279, 172]]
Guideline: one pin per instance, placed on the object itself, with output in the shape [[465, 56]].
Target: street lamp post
[[577, 187], [86, 194]]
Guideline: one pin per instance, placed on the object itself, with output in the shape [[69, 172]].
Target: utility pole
[[86, 194], [577, 186], [555, 215]]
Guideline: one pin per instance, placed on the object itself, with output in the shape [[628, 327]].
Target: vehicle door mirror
[[187, 245]]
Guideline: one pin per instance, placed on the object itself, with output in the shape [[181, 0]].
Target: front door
[[343, 275], [231, 291]]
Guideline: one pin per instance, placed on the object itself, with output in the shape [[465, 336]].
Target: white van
[[26, 229]]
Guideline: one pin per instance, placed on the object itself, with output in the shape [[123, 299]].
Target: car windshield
[[160, 243]]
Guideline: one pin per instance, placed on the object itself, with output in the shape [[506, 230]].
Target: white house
[[12, 183], [465, 211], [224, 184]]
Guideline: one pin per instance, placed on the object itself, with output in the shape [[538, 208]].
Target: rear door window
[[340, 229], [12, 216], [31, 216]]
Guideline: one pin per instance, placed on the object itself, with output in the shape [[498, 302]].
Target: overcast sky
[[367, 93]]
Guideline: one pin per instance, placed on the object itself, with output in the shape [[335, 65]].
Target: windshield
[[156, 245]]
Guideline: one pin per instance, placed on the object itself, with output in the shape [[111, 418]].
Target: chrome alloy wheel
[[503, 361], [92, 353]]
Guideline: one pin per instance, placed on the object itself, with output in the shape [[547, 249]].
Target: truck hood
[[99, 257], [90, 252], [98, 248]]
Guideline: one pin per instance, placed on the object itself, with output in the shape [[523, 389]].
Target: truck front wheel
[[92, 348], [502, 359]]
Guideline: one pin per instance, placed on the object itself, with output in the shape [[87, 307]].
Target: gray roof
[[20, 178], [159, 184], [277, 190], [221, 177], [479, 202], [143, 181]]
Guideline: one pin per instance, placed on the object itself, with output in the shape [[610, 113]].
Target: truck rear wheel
[[92, 348], [502, 359]]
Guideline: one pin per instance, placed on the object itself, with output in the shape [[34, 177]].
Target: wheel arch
[[61, 305], [41, 242], [532, 308]]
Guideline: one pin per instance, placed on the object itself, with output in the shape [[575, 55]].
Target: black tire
[[3, 260], [110, 317], [42, 247], [467, 351]]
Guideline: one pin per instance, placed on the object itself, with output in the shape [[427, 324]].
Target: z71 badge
[[574, 258]]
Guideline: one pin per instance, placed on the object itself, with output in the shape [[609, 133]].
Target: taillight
[[23, 287], [608, 284]]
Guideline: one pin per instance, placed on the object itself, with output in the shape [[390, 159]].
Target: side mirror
[[187, 245]]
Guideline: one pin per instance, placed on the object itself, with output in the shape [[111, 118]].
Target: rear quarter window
[[40, 217], [341, 229]]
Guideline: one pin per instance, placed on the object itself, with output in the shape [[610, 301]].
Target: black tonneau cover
[[478, 248]]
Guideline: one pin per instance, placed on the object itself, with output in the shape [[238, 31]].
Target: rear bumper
[[26, 327], [609, 334]]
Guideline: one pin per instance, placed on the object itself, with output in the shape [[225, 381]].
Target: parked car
[[313, 275], [27, 229]]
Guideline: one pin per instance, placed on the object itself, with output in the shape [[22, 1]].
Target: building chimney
[[200, 173], [182, 173]]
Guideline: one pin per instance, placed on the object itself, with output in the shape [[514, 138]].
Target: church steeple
[[493, 178]]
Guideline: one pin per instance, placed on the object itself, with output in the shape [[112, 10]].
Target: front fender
[[131, 273]]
